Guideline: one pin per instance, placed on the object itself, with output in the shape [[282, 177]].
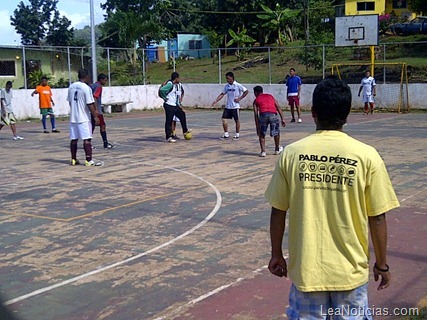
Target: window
[[399, 4], [7, 68], [366, 6], [195, 44]]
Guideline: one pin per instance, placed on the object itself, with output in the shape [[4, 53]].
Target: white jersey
[[7, 100], [368, 84], [79, 96], [233, 91]]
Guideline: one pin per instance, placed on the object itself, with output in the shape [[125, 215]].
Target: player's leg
[[180, 114], [169, 113], [297, 106], [236, 117], [263, 124], [371, 104], [52, 120], [225, 116], [74, 138], [292, 106], [275, 132], [44, 115]]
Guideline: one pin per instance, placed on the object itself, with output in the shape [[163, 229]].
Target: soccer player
[[7, 115], [97, 94], [82, 104], [45, 104], [293, 84], [266, 109], [172, 94], [368, 86], [235, 93], [336, 189]]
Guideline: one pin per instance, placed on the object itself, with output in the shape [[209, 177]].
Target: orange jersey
[[45, 96]]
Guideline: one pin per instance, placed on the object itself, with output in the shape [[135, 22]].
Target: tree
[[241, 39], [39, 23], [418, 6], [278, 20]]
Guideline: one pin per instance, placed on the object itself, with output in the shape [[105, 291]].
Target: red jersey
[[266, 103]]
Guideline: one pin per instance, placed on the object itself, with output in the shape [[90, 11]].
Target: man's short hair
[[9, 83], [174, 75], [102, 76], [230, 74], [258, 89], [43, 78], [83, 73], [292, 69], [332, 102]]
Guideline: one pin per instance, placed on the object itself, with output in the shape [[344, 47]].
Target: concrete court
[[177, 231]]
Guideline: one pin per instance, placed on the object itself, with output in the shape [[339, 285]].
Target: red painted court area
[[178, 231]]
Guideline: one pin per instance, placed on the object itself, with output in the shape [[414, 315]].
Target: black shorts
[[231, 114]]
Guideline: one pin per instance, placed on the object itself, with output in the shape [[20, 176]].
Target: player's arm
[[182, 95], [245, 93], [279, 110], [360, 90], [277, 264], [218, 98], [378, 230], [94, 112], [299, 90], [374, 89], [51, 99], [34, 92], [256, 118]]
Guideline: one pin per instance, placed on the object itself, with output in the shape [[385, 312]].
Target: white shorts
[[80, 130], [368, 98], [176, 119]]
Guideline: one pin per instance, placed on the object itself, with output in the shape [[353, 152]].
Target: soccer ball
[[188, 135]]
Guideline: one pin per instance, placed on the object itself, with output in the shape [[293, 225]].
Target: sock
[[104, 137], [44, 121], [87, 145], [52, 122], [73, 148]]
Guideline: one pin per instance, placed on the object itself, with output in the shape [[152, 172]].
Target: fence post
[[384, 77], [323, 60], [24, 67], [143, 66], [174, 61], [69, 66], [108, 66], [219, 65], [269, 65]]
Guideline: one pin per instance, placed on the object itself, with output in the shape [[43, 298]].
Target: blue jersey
[[293, 84]]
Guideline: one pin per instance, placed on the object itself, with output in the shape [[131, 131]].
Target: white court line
[[102, 269], [412, 195], [212, 292]]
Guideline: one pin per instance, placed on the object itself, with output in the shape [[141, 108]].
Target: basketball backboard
[[360, 30]]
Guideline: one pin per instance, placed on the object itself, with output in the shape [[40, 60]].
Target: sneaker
[[56, 131], [18, 138], [93, 147], [171, 140], [224, 137], [93, 163], [235, 138], [175, 137], [279, 151], [372, 111], [263, 154], [109, 146], [299, 120], [293, 120], [45, 131], [74, 162]]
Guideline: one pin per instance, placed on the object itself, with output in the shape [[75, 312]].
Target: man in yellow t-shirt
[[45, 104], [336, 189]]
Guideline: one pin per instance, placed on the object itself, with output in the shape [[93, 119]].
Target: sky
[[77, 11]]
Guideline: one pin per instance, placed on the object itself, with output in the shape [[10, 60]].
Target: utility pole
[[306, 30], [93, 41]]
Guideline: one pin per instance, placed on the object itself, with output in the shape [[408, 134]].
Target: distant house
[[399, 8], [17, 63], [185, 45]]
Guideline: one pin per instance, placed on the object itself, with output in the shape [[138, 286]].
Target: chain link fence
[[263, 65]]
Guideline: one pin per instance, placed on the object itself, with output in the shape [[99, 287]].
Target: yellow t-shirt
[[330, 183], [45, 96]]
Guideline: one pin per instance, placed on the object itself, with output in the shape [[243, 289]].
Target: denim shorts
[[348, 305], [266, 119]]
